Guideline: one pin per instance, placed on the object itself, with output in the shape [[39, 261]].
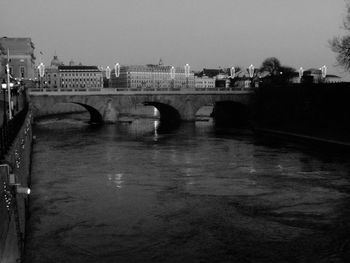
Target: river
[[135, 192]]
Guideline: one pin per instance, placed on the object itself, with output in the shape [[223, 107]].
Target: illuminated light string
[[232, 73], [117, 70], [7, 196]]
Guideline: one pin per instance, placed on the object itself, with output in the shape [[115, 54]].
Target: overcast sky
[[203, 33]]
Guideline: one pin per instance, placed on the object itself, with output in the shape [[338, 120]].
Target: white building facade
[[80, 77], [151, 77], [204, 82]]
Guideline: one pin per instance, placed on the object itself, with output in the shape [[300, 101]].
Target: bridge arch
[[167, 113], [95, 116], [45, 105]]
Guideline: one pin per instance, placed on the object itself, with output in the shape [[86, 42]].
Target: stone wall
[[108, 106], [13, 205]]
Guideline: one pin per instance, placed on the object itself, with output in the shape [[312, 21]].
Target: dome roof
[[55, 62]]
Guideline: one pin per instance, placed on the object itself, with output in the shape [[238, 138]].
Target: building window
[[22, 72]]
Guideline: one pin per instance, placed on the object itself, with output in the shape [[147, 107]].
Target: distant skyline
[[203, 33]]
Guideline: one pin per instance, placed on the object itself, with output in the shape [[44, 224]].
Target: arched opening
[[95, 116], [167, 114], [231, 114]]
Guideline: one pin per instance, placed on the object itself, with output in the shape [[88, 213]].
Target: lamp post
[[251, 70], [301, 72], [117, 70], [8, 84], [232, 75], [117, 73], [172, 76], [108, 75], [3, 88], [187, 73], [324, 72], [41, 69]]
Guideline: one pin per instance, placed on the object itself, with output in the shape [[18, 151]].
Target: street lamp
[[232, 73], [8, 83], [4, 87], [108, 72], [301, 72], [187, 73], [117, 70], [172, 76], [324, 71], [251, 71], [232, 76], [41, 69], [108, 75]]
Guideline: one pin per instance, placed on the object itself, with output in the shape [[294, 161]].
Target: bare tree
[[275, 71], [271, 65], [341, 44]]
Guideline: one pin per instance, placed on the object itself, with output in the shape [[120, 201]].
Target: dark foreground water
[[130, 193]]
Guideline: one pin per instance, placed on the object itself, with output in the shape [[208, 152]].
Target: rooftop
[[80, 68]]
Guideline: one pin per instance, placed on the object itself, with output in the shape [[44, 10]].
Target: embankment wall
[[13, 205]]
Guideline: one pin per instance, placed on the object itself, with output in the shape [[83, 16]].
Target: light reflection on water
[[133, 193]]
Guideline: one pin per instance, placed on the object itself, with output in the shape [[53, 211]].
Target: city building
[[59, 77], [151, 77], [80, 77], [204, 82], [21, 56], [314, 75], [220, 76], [51, 79]]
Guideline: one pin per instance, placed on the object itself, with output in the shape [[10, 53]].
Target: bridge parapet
[[110, 91]]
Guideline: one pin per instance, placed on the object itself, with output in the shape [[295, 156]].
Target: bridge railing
[[136, 90]]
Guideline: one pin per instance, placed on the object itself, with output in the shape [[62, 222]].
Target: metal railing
[[9, 130]]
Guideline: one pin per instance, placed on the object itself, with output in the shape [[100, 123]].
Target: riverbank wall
[[14, 184], [313, 110]]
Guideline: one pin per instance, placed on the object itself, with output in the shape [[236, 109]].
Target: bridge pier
[[110, 114], [188, 113]]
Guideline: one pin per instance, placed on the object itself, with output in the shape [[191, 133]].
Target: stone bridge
[[105, 106]]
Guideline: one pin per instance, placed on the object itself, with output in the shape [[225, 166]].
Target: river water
[[134, 192]]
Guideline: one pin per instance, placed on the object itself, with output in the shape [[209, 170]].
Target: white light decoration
[[187, 70], [324, 71], [232, 73], [108, 72], [251, 70], [41, 68], [117, 70], [301, 72], [172, 72]]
